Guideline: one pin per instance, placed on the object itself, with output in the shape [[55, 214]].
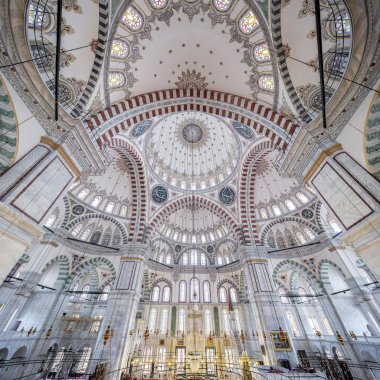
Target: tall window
[[334, 225], [74, 185], [290, 205], [226, 259], [314, 324], [301, 239], [168, 259], [263, 213], [84, 193], [84, 360], [85, 290], [132, 19], [52, 218], [194, 257], [156, 294], [161, 358], [248, 23], [164, 321], [327, 326], [203, 259], [152, 320], [283, 297], [233, 295], [222, 294], [310, 234], [86, 234], [194, 290], [96, 324], [182, 291], [123, 211], [292, 323], [185, 259], [219, 260], [106, 292], [237, 321], [208, 326], [206, 292], [181, 320], [226, 322], [76, 230], [302, 197], [110, 207], [96, 201], [302, 294], [276, 210], [166, 294]]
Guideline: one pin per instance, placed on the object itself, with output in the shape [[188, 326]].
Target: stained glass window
[[261, 53], [116, 79], [132, 19], [158, 4], [119, 49], [38, 16], [266, 82], [222, 5], [248, 23], [96, 201]]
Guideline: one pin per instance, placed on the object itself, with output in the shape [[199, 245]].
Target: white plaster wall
[[30, 131], [352, 136]]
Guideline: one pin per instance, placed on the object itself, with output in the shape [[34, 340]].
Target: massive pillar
[[29, 190], [121, 313], [265, 306], [353, 195]]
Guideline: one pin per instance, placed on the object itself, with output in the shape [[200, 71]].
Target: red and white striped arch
[[139, 187], [247, 190], [190, 201], [121, 116]]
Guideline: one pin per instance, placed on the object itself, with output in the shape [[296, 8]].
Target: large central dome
[[192, 150]]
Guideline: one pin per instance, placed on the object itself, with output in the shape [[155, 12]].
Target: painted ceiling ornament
[[227, 195], [262, 168], [78, 209], [193, 132], [307, 213], [243, 130], [191, 79], [72, 5], [121, 165], [140, 128], [159, 194]]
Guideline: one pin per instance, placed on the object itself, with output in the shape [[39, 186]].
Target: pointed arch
[[64, 267], [323, 272]]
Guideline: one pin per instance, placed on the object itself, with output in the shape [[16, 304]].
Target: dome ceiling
[[211, 48], [192, 150]]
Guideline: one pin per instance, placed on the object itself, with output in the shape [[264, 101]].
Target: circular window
[[192, 133], [307, 213], [159, 194], [227, 195]]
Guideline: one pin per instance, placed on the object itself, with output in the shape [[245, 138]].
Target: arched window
[[52, 218], [161, 258], [168, 259], [280, 242], [182, 291], [208, 325], [222, 294], [206, 292], [132, 19], [83, 360], [166, 294], [74, 185], [219, 260], [158, 4], [185, 259], [164, 321], [84, 294], [95, 237], [248, 23], [194, 257], [106, 239], [310, 234], [266, 82], [222, 5], [123, 211], [276, 210], [203, 259], [292, 323], [263, 213], [76, 230], [152, 320], [106, 293], [119, 49], [110, 207], [334, 225], [181, 320], [283, 297], [302, 197], [85, 234], [194, 290], [84, 193], [226, 259], [302, 294], [233, 295], [226, 322], [156, 294], [290, 205], [74, 289], [301, 239], [313, 293], [116, 79], [96, 201], [261, 53]]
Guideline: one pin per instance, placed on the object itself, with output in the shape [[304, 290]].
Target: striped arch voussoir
[[120, 117], [227, 281], [64, 267], [191, 201], [323, 272]]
